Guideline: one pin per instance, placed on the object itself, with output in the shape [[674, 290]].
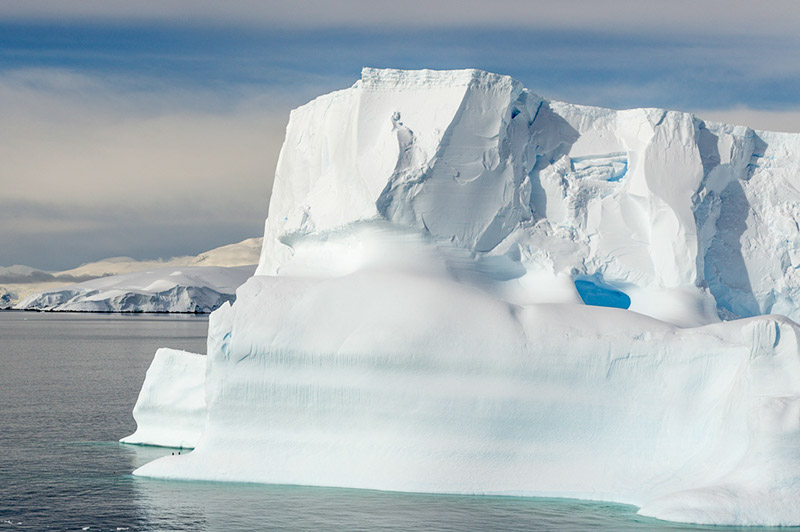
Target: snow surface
[[417, 321], [171, 408]]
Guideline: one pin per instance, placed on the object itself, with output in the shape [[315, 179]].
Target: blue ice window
[[602, 296]]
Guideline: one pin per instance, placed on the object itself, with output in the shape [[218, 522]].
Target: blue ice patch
[[601, 296]]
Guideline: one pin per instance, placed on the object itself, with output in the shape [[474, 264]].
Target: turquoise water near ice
[[68, 383]]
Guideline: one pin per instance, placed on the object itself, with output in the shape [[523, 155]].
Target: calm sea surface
[[68, 383]]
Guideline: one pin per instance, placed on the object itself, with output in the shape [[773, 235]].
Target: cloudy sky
[[151, 128]]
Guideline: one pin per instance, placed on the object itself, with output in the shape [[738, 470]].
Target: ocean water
[[68, 383]]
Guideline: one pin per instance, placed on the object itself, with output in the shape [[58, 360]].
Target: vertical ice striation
[[417, 321]]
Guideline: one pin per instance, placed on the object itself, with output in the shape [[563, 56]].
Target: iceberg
[[467, 288]]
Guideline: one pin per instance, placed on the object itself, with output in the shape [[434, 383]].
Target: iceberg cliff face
[[417, 321], [686, 217]]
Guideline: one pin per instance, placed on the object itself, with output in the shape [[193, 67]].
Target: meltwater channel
[[68, 383]]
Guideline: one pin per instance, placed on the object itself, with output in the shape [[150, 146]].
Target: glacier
[[467, 288]]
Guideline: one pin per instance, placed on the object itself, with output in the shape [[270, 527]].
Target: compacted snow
[[467, 288]]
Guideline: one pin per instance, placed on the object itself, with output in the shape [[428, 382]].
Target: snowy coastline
[[193, 285]]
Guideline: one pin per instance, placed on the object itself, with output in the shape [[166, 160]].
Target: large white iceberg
[[417, 320]]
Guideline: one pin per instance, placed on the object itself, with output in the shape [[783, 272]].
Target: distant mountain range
[[198, 283]]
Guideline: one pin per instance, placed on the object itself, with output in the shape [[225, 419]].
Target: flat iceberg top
[[392, 78]]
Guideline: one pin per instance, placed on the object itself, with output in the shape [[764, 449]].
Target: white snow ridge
[[418, 321]]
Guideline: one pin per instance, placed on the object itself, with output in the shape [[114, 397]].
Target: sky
[[152, 128]]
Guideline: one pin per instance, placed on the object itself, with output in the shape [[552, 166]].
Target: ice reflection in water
[[184, 505]]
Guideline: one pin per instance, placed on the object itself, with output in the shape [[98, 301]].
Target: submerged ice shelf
[[425, 313]]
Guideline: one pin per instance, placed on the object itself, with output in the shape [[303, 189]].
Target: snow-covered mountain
[[242, 253], [419, 319], [18, 282], [197, 289], [181, 284]]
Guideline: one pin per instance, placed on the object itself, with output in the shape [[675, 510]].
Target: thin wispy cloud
[[707, 16], [42, 277]]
